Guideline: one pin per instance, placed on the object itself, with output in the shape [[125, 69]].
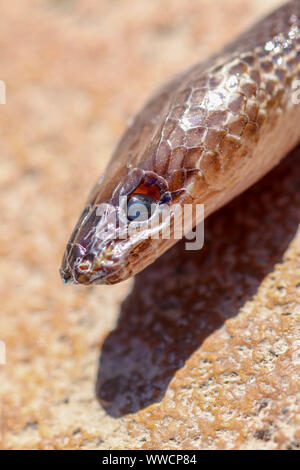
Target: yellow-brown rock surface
[[202, 349]]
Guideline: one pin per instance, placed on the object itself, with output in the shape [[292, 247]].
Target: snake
[[203, 138]]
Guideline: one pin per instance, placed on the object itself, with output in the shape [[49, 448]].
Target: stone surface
[[201, 350]]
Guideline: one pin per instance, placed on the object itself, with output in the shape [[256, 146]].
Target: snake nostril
[[66, 276]]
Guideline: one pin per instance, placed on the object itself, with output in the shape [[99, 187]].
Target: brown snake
[[205, 137]]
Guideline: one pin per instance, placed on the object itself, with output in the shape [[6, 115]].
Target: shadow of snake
[[181, 299]]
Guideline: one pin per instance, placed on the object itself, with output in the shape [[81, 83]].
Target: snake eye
[[140, 207]]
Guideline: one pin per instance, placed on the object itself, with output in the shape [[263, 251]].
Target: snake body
[[205, 137]]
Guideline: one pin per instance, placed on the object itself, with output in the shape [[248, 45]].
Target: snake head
[[118, 234]]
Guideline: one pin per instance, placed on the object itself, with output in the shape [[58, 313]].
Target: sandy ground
[[201, 353]]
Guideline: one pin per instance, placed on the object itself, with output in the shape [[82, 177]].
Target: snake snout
[[66, 276]]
